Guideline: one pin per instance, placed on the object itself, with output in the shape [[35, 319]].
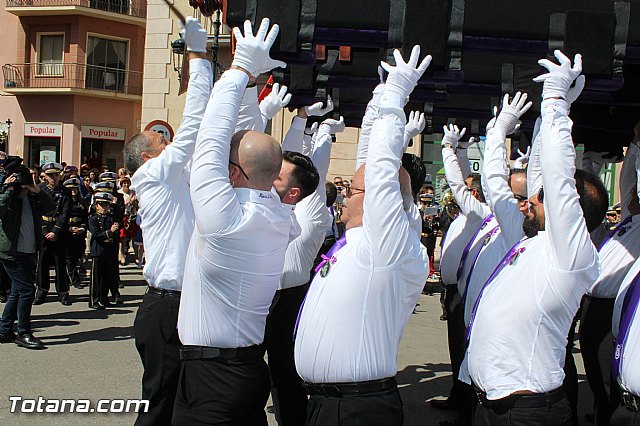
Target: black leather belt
[[534, 400], [339, 390], [190, 353], [630, 401], [162, 292]]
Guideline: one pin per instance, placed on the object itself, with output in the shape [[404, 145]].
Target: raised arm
[[385, 222], [496, 169], [210, 187], [249, 116], [570, 247], [170, 164], [469, 205], [293, 140], [629, 179], [370, 115]]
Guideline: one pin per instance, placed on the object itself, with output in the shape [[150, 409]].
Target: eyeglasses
[[241, 169], [520, 198], [352, 190], [541, 195]]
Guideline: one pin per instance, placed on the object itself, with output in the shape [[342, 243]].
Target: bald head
[[259, 155]]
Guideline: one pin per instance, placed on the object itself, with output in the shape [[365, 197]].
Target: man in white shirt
[[289, 397], [469, 194], [618, 251], [359, 302], [162, 188], [518, 327], [236, 254]]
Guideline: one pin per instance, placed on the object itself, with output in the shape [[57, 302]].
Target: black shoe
[[7, 337], [41, 297], [78, 286], [65, 300], [120, 285], [97, 306], [3, 297], [443, 317], [118, 300], [442, 404], [28, 341]]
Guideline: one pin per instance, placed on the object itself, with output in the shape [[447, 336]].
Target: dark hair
[[332, 193], [476, 183], [429, 187], [417, 171], [305, 175], [515, 172], [594, 198]]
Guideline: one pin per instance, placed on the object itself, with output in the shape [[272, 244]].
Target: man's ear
[[294, 193], [144, 156]]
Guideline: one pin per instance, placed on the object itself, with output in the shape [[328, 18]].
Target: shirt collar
[[256, 196], [354, 234]]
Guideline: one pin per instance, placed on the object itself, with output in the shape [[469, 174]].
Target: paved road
[[91, 355]]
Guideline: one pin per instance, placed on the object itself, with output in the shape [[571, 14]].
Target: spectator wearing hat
[[77, 232], [118, 212], [104, 251], [54, 230]]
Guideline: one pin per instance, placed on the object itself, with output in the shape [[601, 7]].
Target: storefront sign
[[43, 130], [108, 133], [162, 127]]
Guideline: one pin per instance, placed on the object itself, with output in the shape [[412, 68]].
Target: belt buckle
[[630, 401]]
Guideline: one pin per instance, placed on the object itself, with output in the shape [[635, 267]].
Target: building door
[[43, 150]]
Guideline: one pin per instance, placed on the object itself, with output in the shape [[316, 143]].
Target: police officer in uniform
[[104, 251], [54, 228], [76, 238], [117, 211], [118, 214]]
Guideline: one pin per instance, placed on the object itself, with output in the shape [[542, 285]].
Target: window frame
[[39, 64], [112, 38]]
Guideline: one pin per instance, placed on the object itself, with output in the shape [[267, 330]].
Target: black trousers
[[622, 416], [558, 414], [221, 392], [462, 394], [288, 395], [104, 276], [75, 250], [378, 409], [596, 345], [52, 253], [570, 382], [157, 342]]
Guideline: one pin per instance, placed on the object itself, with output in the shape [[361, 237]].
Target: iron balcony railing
[[135, 8], [71, 75]]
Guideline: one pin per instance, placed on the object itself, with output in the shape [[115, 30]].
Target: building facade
[[72, 78]]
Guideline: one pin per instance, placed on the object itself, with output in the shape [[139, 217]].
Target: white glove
[[317, 109], [195, 37], [523, 160], [311, 130], [467, 144], [508, 121], [404, 77], [252, 52], [452, 134], [275, 101], [574, 92], [560, 77], [331, 126], [415, 125]]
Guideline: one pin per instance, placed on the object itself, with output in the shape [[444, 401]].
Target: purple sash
[[466, 250], [629, 307], [612, 233]]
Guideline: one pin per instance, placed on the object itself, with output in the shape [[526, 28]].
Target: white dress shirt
[[629, 378], [163, 190], [472, 214], [518, 340], [311, 212], [353, 318], [621, 251], [236, 254]]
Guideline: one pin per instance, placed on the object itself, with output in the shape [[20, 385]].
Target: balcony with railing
[[129, 11], [72, 78]]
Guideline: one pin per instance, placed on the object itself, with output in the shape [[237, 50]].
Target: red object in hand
[[266, 89]]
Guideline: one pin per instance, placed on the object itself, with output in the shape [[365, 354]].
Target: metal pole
[[215, 45]]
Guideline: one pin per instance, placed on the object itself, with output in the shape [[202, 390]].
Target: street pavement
[[91, 355]]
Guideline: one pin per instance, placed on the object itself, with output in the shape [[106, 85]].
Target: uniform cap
[[104, 187], [108, 177], [72, 183], [104, 197], [52, 167]]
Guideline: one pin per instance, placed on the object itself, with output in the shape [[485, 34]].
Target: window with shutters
[[49, 54]]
